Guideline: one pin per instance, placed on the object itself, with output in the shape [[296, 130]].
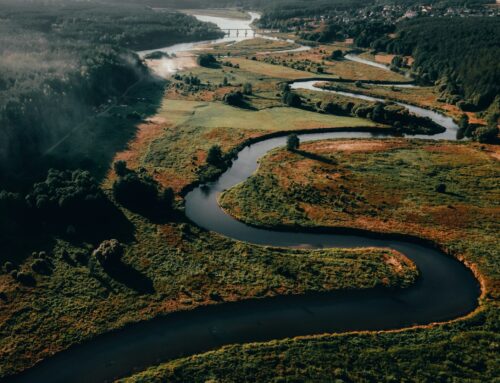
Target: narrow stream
[[447, 122], [356, 58]]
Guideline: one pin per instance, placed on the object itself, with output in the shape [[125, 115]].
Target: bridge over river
[[247, 31]]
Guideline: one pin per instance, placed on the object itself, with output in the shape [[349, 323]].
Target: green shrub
[[337, 54], [234, 98], [440, 188], [247, 89], [292, 142], [120, 168], [8, 267], [109, 252], [215, 157], [206, 60], [486, 134], [25, 279], [292, 99], [41, 266], [135, 191]]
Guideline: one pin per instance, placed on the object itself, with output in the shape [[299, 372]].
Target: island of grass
[[445, 192]]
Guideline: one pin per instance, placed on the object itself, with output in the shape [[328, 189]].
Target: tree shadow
[[243, 104], [453, 194], [104, 283], [153, 212], [110, 222], [316, 157], [130, 277]]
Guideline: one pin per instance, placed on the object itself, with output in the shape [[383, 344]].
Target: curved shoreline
[[347, 230], [387, 99], [139, 345], [143, 343], [451, 127], [376, 131]]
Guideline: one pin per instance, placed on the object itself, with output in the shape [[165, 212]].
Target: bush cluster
[[139, 192], [109, 253]]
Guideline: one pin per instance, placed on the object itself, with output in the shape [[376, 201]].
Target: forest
[[62, 64], [462, 54], [459, 54]]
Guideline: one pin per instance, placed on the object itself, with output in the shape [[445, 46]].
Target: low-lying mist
[[64, 65]]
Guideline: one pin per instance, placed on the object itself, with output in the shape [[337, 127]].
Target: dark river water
[[445, 290]]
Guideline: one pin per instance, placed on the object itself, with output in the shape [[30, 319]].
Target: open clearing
[[192, 127]]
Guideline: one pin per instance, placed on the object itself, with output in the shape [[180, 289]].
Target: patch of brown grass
[[349, 146]]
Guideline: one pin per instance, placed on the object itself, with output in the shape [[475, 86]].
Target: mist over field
[[62, 63]]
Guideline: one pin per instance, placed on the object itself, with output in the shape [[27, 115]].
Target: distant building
[[410, 14]]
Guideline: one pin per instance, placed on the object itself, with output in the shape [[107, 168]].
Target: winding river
[[445, 290]]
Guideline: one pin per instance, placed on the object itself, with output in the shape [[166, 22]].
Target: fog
[[64, 63]]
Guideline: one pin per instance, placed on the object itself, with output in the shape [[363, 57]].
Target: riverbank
[[422, 354], [384, 185], [424, 346], [189, 267], [373, 355]]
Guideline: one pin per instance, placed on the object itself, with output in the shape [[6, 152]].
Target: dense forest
[[65, 63], [463, 54], [458, 53], [127, 25]]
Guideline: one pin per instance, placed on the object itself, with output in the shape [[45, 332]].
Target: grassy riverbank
[[425, 96], [172, 265], [183, 132], [169, 267], [464, 352], [386, 186]]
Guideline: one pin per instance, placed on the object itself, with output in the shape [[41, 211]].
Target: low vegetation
[[385, 186], [454, 352], [92, 289], [178, 154], [444, 192], [80, 257]]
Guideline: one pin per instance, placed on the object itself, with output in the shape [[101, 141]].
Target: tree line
[[460, 53], [63, 63]]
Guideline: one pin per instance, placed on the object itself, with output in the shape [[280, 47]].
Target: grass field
[[385, 186], [176, 267], [181, 267], [274, 71], [250, 47], [318, 57], [183, 131], [465, 352]]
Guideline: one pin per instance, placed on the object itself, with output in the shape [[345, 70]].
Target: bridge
[[247, 32]]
